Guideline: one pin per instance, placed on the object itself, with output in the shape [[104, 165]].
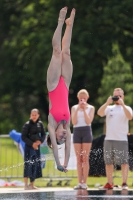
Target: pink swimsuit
[[59, 102]]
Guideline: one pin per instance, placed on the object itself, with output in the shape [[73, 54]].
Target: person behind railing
[[33, 134], [17, 137]]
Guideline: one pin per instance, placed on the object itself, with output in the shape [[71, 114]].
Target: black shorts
[[82, 134]]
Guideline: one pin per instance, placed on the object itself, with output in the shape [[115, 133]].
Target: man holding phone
[[116, 142]]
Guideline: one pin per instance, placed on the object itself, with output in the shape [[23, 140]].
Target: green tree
[[116, 74], [25, 50]]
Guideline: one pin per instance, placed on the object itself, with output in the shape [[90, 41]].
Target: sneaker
[[117, 187], [84, 186], [124, 186], [107, 186], [79, 186]]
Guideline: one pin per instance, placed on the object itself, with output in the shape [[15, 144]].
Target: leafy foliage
[[116, 74], [25, 51]]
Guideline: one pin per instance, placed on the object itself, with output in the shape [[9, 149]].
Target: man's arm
[[101, 110], [128, 113]]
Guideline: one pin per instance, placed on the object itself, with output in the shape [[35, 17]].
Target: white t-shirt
[[80, 116], [116, 123]]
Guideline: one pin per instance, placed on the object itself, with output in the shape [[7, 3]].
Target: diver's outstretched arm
[[54, 144], [55, 149], [67, 147]]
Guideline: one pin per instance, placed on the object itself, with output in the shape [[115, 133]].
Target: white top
[[116, 123], [80, 116]]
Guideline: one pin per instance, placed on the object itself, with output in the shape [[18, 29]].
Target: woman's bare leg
[[85, 153], [54, 70], [78, 150], [26, 183], [66, 41]]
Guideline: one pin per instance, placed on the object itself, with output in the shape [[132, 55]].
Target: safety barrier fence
[[11, 163]]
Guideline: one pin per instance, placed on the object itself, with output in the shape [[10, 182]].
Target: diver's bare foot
[[62, 15], [69, 21]]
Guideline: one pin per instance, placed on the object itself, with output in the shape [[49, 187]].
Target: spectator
[[33, 134], [116, 141], [82, 116]]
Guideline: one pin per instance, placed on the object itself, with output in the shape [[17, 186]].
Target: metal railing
[[12, 162]]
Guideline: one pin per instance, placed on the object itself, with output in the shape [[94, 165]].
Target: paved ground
[[45, 189], [21, 190]]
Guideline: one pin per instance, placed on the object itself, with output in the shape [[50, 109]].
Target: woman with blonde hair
[[82, 115]]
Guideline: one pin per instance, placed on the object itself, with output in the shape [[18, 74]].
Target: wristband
[[60, 168]]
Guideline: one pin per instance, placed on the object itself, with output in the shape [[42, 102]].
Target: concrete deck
[[21, 189], [45, 189]]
